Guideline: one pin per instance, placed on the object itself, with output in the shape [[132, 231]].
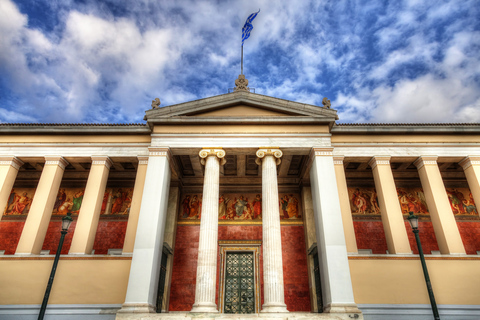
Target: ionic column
[[9, 166], [147, 254], [332, 249], [38, 218], [208, 242], [471, 167], [350, 239], [443, 220], [392, 217], [86, 228], [274, 295], [135, 207]]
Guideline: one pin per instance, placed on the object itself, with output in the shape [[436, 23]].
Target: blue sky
[[104, 61]]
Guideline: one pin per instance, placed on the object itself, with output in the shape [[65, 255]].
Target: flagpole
[[242, 60]]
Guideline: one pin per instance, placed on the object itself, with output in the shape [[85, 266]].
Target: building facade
[[240, 203]]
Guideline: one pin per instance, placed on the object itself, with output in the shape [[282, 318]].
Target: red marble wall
[[182, 290], [10, 232], [52, 238], [110, 235], [370, 235], [470, 233], [426, 234]]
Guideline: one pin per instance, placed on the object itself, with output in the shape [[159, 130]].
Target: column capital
[[142, 160], [216, 151], [376, 160], [325, 151], [102, 160], [11, 161], [269, 151], [425, 160], [338, 160], [469, 161], [56, 160]]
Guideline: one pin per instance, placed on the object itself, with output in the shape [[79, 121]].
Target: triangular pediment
[[240, 106]]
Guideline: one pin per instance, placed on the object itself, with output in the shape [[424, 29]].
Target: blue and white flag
[[247, 27]]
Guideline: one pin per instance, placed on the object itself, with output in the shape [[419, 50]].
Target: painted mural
[[363, 201], [117, 201], [240, 207], [19, 201], [68, 201], [461, 201], [412, 200]]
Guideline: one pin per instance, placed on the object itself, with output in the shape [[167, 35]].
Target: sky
[[92, 61]]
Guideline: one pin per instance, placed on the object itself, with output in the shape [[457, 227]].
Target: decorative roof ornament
[[241, 84], [156, 103], [326, 103]]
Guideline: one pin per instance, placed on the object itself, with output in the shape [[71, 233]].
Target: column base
[[274, 308], [204, 307], [342, 308], [137, 308]]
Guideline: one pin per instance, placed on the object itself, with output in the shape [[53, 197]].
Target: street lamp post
[[413, 220], [66, 221]]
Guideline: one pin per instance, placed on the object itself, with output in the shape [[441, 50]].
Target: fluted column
[[471, 167], [392, 218], [86, 228], [208, 242], [274, 295], [38, 218], [443, 220], [9, 167]]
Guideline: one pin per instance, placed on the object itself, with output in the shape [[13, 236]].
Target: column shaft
[[38, 218], [131, 231], [9, 167], [86, 228], [471, 167], [208, 242], [145, 268], [392, 217], [332, 249], [348, 228], [443, 220], [274, 295]]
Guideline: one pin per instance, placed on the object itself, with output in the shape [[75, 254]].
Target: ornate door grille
[[161, 282], [239, 283], [318, 283]]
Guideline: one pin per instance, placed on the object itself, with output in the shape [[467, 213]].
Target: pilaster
[[131, 231], [38, 218], [205, 287], [332, 248], [144, 271], [443, 220], [274, 295], [392, 217], [86, 228], [9, 166], [471, 167], [348, 229]]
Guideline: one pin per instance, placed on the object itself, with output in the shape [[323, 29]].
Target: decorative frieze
[[338, 160], [425, 160], [102, 160], [470, 161], [379, 160], [142, 160], [11, 161], [56, 160]]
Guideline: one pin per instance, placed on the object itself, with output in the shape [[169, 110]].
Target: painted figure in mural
[[118, 199], [127, 202], [284, 204], [359, 201], [469, 205], [231, 214], [194, 207], [61, 197], [240, 206], [257, 207], [20, 203], [456, 201], [374, 202], [222, 207], [63, 208], [185, 207], [247, 214], [292, 207], [77, 201], [106, 195], [10, 200]]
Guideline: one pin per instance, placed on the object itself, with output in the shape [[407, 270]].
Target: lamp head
[[413, 220], [66, 222]]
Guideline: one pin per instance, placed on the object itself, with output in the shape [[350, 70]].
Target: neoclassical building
[[240, 203]]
